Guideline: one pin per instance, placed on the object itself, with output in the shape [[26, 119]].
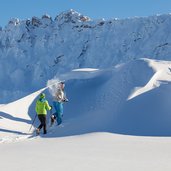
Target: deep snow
[[98, 151], [118, 115], [102, 104], [132, 98]]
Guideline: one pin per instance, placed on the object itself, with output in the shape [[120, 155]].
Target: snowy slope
[[131, 98], [121, 99], [32, 51], [100, 151]]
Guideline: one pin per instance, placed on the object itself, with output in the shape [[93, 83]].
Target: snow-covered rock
[[71, 16], [38, 48]]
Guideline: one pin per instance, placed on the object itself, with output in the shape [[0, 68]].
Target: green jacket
[[42, 106]]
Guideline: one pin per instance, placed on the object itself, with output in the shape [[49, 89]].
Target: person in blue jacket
[[58, 101]]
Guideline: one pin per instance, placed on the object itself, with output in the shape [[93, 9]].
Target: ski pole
[[33, 122]]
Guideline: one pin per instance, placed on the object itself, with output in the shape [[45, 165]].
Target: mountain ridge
[[34, 51]]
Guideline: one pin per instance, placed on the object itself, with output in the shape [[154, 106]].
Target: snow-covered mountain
[[112, 85], [35, 50]]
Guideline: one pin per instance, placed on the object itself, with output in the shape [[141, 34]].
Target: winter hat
[[42, 95]]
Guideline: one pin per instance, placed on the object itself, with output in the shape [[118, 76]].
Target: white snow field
[[116, 119]]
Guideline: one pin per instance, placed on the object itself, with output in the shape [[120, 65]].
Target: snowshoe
[[37, 131]]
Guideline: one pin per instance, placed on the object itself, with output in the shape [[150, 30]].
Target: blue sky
[[95, 9]]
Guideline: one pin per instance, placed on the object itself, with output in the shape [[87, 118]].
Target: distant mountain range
[[35, 50]]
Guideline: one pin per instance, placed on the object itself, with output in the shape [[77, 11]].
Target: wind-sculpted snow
[[131, 99], [32, 51]]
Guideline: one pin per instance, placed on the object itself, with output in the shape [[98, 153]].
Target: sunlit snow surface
[[131, 99], [106, 107]]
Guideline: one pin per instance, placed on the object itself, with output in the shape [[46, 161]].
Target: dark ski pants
[[42, 119]]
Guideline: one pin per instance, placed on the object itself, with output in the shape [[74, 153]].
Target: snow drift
[[132, 98]]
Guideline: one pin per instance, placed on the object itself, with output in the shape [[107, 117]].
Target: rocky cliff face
[[35, 50]]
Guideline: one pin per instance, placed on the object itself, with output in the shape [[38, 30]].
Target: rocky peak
[[46, 16], [46, 19], [14, 21], [71, 16], [36, 21]]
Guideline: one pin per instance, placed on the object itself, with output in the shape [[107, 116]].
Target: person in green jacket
[[42, 106]]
